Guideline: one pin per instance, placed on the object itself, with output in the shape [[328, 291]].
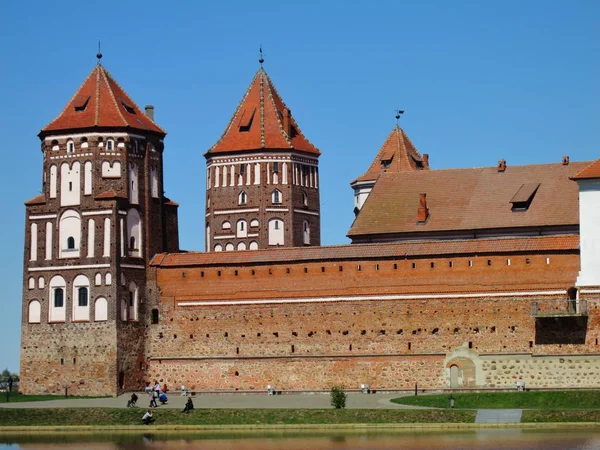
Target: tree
[[338, 397]]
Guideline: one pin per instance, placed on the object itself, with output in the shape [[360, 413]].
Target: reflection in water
[[501, 439]]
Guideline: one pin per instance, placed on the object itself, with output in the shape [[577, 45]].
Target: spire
[[99, 54], [397, 154], [101, 103], [262, 121]]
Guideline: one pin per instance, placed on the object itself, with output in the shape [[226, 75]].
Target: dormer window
[[70, 146], [246, 120], [524, 196], [386, 163], [130, 109], [81, 103]]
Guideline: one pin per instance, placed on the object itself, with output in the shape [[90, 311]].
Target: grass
[[543, 400], [133, 416], [16, 397], [561, 416]]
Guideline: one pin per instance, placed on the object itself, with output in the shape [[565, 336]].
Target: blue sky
[[480, 81]]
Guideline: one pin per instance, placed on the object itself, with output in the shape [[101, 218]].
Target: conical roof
[[262, 121], [397, 154], [101, 103]]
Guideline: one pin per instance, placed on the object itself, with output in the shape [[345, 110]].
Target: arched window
[[241, 246], [83, 296], [242, 198], [254, 223], [69, 234], [70, 243], [229, 247], [81, 290], [218, 248], [133, 301], [134, 233], [276, 232], [55, 146], [59, 298], [100, 309], [132, 243], [110, 144], [226, 225], [253, 245], [241, 229], [35, 312], [98, 279], [31, 283], [276, 196], [304, 199], [70, 146]]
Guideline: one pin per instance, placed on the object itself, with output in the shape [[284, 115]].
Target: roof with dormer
[[262, 121], [397, 154], [101, 103]]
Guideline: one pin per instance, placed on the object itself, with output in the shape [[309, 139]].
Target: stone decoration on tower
[[100, 218], [262, 188]]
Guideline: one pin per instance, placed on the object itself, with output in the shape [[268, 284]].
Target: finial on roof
[[261, 60], [399, 112], [99, 54]]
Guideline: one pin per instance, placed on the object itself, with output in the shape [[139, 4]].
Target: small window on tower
[[386, 163], [70, 243], [275, 167], [304, 199], [70, 147], [242, 169], [110, 144], [242, 198], [276, 196]]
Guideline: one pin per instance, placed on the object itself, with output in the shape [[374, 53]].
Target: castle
[[455, 278]]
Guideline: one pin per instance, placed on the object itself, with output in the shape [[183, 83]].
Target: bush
[[338, 397]]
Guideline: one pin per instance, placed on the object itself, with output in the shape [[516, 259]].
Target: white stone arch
[[106, 249], [70, 184], [70, 146], [34, 314], [306, 232], [226, 225], [241, 228], [254, 223], [257, 173], [232, 175], [49, 230], [224, 176], [132, 302], [91, 244], [276, 231], [241, 246], [110, 144], [133, 183], [98, 279], [108, 279], [41, 282], [57, 299], [253, 245], [81, 298], [31, 283], [208, 237], [284, 173], [111, 170], [217, 176], [69, 232], [276, 196], [218, 248], [304, 198], [100, 309], [87, 178], [53, 180], [134, 233], [229, 247]]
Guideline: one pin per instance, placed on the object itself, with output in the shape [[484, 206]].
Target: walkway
[[498, 416], [236, 401]]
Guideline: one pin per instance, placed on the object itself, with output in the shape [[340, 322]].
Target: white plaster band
[[89, 266], [96, 213], [229, 236], [78, 135], [235, 211], [310, 213], [373, 297], [276, 209], [132, 266], [45, 216]]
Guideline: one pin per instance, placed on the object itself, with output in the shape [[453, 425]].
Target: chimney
[[502, 165], [426, 159], [423, 211], [565, 161], [287, 123], [150, 112]]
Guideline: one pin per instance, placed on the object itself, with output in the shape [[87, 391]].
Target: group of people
[[156, 392]]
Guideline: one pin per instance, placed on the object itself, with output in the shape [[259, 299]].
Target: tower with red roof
[[89, 235], [262, 177]]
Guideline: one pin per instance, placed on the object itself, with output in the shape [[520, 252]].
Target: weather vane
[[261, 60], [399, 112], [99, 54]]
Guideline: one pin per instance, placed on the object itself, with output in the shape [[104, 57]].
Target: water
[[504, 439]]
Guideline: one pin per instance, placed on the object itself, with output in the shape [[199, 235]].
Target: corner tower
[[88, 238], [262, 181], [397, 154]]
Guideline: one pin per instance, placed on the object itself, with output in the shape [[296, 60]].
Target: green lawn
[[507, 400], [16, 397], [133, 416]]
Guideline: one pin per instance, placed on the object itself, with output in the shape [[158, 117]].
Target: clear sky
[[479, 80]]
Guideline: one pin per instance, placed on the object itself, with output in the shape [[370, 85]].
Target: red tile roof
[[37, 200], [109, 195], [101, 102], [259, 123], [366, 251], [400, 155], [469, 199], [591, 171]]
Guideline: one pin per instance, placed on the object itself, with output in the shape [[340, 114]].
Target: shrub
[[338, 397]]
